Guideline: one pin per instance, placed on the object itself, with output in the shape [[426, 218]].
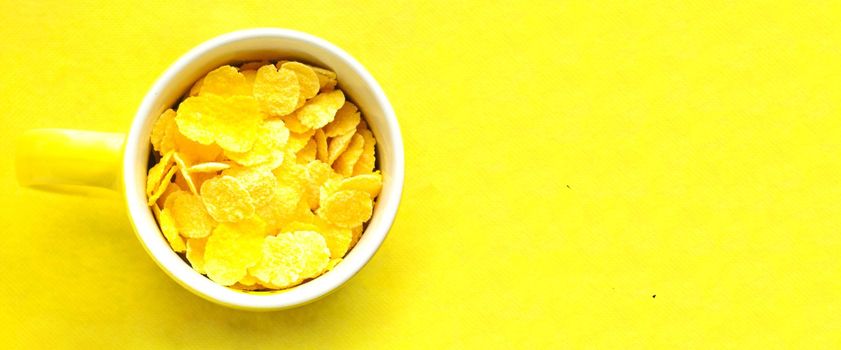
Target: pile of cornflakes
[[264, 175]]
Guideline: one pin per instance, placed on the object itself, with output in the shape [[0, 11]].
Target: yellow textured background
[[566, 161]]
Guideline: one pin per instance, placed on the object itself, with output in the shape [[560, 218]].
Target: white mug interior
[[250, 45]]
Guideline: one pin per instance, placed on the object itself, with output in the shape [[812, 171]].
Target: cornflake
[[264, 176]]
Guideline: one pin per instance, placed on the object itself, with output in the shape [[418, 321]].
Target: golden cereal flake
[[292, 175], [276, 90], [369, 183], [194, 152], [157, 173], [332, 264], [294, 124], [317, 173], [185, 174], [347, 118], [307, 79], [195, 253], [328, 188], [367, 159], [347, 208], [320, 145], [338, 145], [284, 207], [268, 148], [293, 226], [356, 234], [165, 182], [225, 81], [290, 258], [191, 217], [160, 128], [232, 248], [226, 199], [231, 122], [321, 109], [338, 238], [260, 183], [306, 154], [208, 167], [298, 141], [170, 189], [196, 88], [326, 78], [248, 281], [170, 231], [344, 162]]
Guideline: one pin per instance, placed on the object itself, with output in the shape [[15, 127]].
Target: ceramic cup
[[76, 161]]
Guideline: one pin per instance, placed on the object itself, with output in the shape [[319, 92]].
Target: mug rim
[[148, 231]]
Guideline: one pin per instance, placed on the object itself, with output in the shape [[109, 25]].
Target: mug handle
[[69, 161]]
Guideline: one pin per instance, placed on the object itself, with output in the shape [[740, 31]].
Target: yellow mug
[[86, 162]]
